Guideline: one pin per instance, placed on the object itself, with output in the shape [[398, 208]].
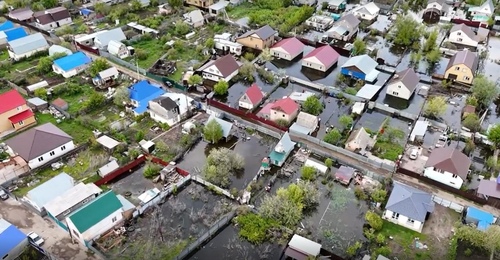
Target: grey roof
[[408, 77], [111, 72], [370, 9], [451, 160], [466, 57], [410, 202], [336, 3], [38, 141], [194, 16], [363, 62], [115, 35], [465, 29], [381, 257], [21, 14], [286, 142], [165, 102], [263, 32], [441, 2], [50, 189], [59, 49], [36, 101], [28, 43], [350, 19], [219, 5], [226, 126], [368, 91], [69, 198]]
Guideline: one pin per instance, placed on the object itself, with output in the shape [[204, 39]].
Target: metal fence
[[163, 194], [259, 128], [121, 62], [449, 204]]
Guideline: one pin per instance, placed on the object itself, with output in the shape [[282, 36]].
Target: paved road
[[57, 241]]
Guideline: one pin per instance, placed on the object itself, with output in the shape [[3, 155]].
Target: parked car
[[35, 239], [443, 139], [414, 154], [3, 195]]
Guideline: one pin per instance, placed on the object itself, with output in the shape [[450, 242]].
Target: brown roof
[[52, 15], [466, 30], [44, 19], [60, 15], [226, 65], [408, 77], [451, 160], [470, 109], [38, 141], [466, 57], [59, 102]]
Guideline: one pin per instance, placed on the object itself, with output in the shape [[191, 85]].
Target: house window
[[411, 221], [275, 112], [52, 153], [19, 108], [40, 159], [466, 78], [395, 215], [399, 86], [459, 33], [457, 68], [459, 40], [63, 148], [114, 219], [395, 93], [21, 122], [438, 170], [454, 176]]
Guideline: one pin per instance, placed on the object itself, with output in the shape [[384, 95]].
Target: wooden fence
[[87, 48], [120, 171], [474, 24]]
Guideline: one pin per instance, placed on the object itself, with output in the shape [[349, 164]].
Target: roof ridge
[[33, 141]]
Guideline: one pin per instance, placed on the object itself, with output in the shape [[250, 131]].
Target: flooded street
[[491, 67]]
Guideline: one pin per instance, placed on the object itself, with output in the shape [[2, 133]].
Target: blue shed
[[361, 67], [480, 218]]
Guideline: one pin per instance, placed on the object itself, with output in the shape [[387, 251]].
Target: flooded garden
[[133, 184], [239, 88]]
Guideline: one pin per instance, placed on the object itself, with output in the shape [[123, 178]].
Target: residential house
[[287, 49], [14, 34], [226, 126], [200, 3], [337, 5], [27, 46], [141, 93], [359, 141], [462, 67], [5, 26], [12, 240], [224, 43], [282, 150], [322, 58], [302, 248], [59, 50], [22, 14], [87, 14], [258, 39], [367, 12], [164, 9], [252, 97], [483, 12], [481, 219], [463, 35], [361, 67], [14, 112], [69, 201], [489, 189], [403, 84], [52, 18], [194, 18], [306, 123], [170, 108], [106, 77], [408, 207], [284, 109], [142, 29], [41, 144], [448, 166], [47, 191], [434, 10], [320, 22], [224, 68], [102, 40], [71, 65], [218, 8], [95, 218], [345, 28], [118, 49]]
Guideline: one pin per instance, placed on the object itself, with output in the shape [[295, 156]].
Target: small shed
[[320, 167], [300, 247], [108, 142], [468, 109], [368, 91], [344, 174], [108, 168], [148, 195], [37, 104], [147, 146], [358, 108], [479, 218], [419, 130], [60, 104]]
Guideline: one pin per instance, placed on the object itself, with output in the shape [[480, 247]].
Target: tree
[[44, 65], [359, 47], [49, 3], [210, 43], [220, 164], [471, 121], [379, 195], [135, 5], [213, 132], [333, 136], [391, 134], [265, 55], [433, 56], [328, 162], [102, 8], [469, 146], [195, 80], [292, 193], [311, 194], [430, 43], [247, 70], [175, 4], [374, 220], [312, 106], [281, 209], [353, 249], [435, 107], [181, 28], [308, 173], [494, 135], [346, 121], [41, 93], [97, 66], [254, 228], [221, 88], [406, 31], [121, 96], [488, 239], [95, 101], [484, 90]]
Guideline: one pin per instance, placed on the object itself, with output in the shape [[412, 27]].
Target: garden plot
[[238, 89], [228, 245], [453, 114], [334, 109], [164, 231], [133, 185]]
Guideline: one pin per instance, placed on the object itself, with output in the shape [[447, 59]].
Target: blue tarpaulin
[[483, 218]]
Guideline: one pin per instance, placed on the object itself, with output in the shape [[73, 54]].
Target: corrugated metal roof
[[226, 126], [28, 43], [72, 61], [50, 189], [363, 62], [368, 91]]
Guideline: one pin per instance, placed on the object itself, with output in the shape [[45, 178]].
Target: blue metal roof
[[143, 92], [6, 26], [72, 61], [14, 34], [484, 219], [10, 238], [85, 11]]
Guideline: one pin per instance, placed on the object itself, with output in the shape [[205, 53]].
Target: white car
[[443, 139], [414, 154], [35, 239]]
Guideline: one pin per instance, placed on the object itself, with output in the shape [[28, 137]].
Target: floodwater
[[252, 150], [391, 55], [284, 91], [374, 120], [493, 116], [239, 88], [228, 245], [453, 115], [490, 67], [412, 106], [134, 183], [334, 109], [382, 24]]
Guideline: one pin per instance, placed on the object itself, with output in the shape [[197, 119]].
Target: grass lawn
[[79, 133], [4, 55], [242, 10], [153, 48], [389, 151], [177, 76], [24, 65], [405, 238]]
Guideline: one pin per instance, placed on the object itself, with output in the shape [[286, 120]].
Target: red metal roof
[[21, 116], [287, 105], [10, 100], [254, 94], [326, 55], [291, 45]]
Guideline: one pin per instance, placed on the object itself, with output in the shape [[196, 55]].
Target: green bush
[[249, 56], [374, 220], [360, 193], [351, 91], [468, 252], [151, 170], [308, 173], [254, 228]]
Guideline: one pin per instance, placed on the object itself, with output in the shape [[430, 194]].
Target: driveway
[[57, 241]]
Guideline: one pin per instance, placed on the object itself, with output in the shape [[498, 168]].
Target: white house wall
[[403, 221], [364, 16], [71, 73], [26, 54], [313, 63], [160, 119], [462, 39], [398, 89], [35, 163], [445, 177], [103, 226], [279, 53]]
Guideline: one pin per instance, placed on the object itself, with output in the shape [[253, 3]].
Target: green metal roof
[[97, 210]]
